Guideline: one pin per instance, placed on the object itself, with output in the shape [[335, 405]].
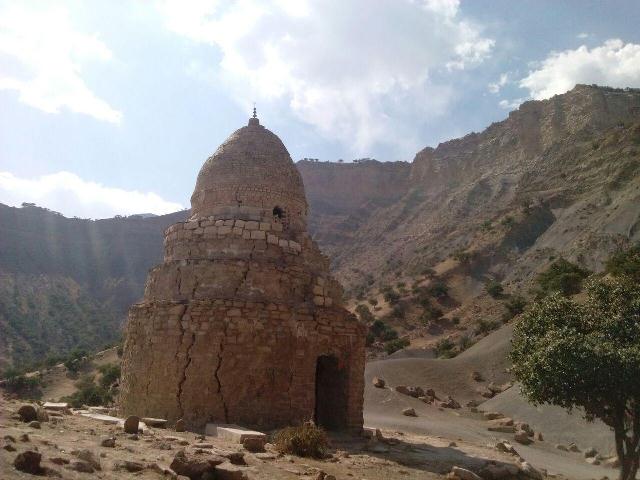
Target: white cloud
[[360, 71], [70, 195], [511, 104], [583, 35], [43, 57], [497, 86], [614, 64]]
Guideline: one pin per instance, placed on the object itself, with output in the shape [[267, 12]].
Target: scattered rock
[[89, 457], [527, 470], [486, 393], [477, 377], [379, 382], [612, 462], [590, 452], [402, 389], [525, 427], [254, 444], [59, 460], [228, 471], [131, 466], [505, 422], [9, 448], [502, 428], [28, 413], [498, 472], [573, 448], [472, 403], [409, 412], [449, 402], [155, 422], [81, 466], [180, 427], [452, 444], [464, 474], [194, 466], [35, 424], [521, 436], [564, 448], [28, 462], [42, 415], [108, 442], [492, 415], [133, 436], [506, 447], [132, 424], [24, 438], [592, 460]]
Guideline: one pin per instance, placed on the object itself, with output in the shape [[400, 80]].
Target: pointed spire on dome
[[254, 120]]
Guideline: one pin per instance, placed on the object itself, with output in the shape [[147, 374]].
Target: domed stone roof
[[252, 169]]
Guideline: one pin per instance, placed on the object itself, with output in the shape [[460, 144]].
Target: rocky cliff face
[[559, 176]]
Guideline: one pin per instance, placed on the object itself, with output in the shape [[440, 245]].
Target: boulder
[[464, 474], [28, 462], [592, 460], [416, 392], [409, 412], [477, 377], [525, 427], [194, 466], [505, 422], [564, 448], [573, 448], [41, 415], [28, 413], [539, 437], [35, 424], [132, 424], [378, 382]]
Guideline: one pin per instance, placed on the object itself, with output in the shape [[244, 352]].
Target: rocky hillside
[[557, 178], [67, 282]]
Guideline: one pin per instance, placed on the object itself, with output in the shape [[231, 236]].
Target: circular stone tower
[[242, 323]]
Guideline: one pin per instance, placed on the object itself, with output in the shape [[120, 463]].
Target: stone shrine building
[[243, 323]]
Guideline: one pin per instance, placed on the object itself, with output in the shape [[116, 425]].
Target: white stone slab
[[106, 419], [56, 406], [232, 433]]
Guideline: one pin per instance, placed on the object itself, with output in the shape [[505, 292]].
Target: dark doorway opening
[[278, 212], [331, 393]]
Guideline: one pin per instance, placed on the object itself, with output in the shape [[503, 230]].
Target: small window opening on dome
[[278, 212]]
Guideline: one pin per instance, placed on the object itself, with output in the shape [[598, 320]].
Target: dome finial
[[254, 120]]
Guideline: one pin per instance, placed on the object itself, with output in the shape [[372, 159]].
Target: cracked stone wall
[[233, 322]]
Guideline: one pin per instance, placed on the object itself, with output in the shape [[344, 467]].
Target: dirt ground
[[400, 455]]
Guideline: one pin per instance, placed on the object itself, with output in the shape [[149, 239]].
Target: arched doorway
[[331, 393]]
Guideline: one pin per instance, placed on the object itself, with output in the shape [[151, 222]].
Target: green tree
[[562, 276], [625, 262], [494, 289], [587, 356]]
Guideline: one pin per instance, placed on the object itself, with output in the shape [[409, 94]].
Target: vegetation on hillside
[[562, 277]]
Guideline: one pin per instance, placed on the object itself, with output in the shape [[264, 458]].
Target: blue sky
[[112, 107]]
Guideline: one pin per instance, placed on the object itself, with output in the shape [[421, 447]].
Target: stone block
[[276, 227], [318, 300], [232, 433], [258, 235], [224, 230], [252, 225], [318, 290], [272, 239], [264, 226], [283, 243]]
